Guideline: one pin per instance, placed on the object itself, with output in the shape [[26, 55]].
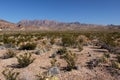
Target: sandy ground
[[42, 63]]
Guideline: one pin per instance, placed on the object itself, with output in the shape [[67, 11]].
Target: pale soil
[[42, 63]]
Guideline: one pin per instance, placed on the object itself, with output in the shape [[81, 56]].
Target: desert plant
[[80, 48], [70, 58], [28, 46], [106, 55], [68, 41], [25, 60], [9, 74], [9, 54], [54, 62], [104, 59], [52, 41], [61, 51], [42, 76], [116, 65]]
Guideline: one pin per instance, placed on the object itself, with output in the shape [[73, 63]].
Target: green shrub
[[25, 60], [9, 74], [69, 41], [28, 46]]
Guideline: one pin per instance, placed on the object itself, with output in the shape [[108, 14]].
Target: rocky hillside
[[53, 25], [6, 25]]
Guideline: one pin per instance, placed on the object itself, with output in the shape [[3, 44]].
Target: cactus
[[42, 76], [9, 74], [70, 58], [25, 60]]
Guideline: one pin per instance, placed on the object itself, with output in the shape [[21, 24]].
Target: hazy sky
[[84, 11]]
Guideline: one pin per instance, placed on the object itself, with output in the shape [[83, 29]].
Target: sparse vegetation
[[64, 47]]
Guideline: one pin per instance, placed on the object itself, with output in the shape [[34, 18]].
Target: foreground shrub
[[28, 46], [9, 54], [70, 58], [9, 74], [25, 60]]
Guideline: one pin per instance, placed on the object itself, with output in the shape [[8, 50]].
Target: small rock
[[38, 52], [2, 48], [53, 55], [53, 71]]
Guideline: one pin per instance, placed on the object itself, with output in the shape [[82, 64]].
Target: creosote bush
[[28, 46], [25, 60], [9, 74], [69, 41]]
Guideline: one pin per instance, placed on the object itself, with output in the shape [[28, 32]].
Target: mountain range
[[53, 25]]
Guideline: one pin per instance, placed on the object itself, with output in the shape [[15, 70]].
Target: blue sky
[[83, 11]]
